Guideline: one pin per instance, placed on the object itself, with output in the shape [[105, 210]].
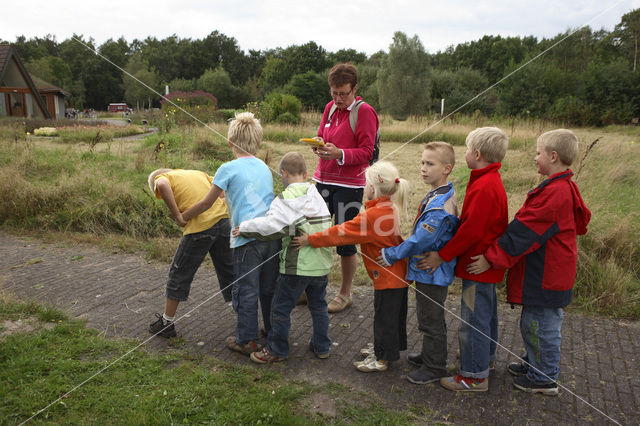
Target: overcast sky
[[366, 26]]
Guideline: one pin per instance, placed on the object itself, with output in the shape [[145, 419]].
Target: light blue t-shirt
[[248, 186]]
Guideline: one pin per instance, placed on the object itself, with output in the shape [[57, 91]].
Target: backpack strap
[[353, 114]]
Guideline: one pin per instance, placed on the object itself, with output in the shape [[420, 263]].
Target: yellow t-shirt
[[189, 187]]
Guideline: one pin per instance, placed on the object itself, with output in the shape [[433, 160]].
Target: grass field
[[96, 192]]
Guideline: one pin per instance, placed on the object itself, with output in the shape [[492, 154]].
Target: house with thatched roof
[[23, 95]]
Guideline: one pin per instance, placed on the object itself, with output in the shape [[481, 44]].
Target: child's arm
[[278, 222], [204, 204], [166, 193], [350, 232], [425, 238]]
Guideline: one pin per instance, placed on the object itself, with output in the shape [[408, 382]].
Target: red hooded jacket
[[539, 246]]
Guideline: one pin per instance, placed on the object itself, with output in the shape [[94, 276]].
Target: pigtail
[[386, 181], [401, 197]]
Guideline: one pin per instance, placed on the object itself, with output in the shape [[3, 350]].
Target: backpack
[[353, 121]]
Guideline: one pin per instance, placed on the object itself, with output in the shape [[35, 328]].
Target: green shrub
[[276, 104], [287, 118]]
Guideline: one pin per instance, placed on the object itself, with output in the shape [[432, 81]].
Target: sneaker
[[367, 360], [373, 366], [465, 384], [365, 352], [246, 349], [524, 384], [321, 356], [421, 377], [517, 369], [162, 328], [264, 357], [415, 359]]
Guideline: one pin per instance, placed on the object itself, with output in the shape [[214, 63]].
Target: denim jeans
[[431, 322], [189, 256], [540, 328], [289, 288], [255, 267], [480, 311]]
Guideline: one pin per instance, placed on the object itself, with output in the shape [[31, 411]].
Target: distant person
[[378, 226], [342, 162], [298, 208], [205, 233], [484, 218], [248, 186], [434, 226], [539, 248]]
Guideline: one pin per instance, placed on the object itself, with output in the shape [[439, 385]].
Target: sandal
[[339, 303], [246, 349]]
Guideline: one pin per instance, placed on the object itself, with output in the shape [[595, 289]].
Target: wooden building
[[19, 96]]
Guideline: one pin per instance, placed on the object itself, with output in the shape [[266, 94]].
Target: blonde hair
[[444, 150], [151, 180], [386, 181], [490, 141], [293, 163], [562, 141], [245, 133]]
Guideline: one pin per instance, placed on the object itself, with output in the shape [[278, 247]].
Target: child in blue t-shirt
[[248, 186]]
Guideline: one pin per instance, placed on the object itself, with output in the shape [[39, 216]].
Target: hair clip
[[380, 179], [397, 180]]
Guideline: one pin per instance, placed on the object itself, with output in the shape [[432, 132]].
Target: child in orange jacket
[[374, 228]]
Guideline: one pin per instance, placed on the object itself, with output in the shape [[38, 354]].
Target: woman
[[342, 161]]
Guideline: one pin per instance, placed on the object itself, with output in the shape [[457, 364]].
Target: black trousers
[[390, 323], [431, 322]]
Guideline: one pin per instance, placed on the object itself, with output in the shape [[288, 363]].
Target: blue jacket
[[431, 231]]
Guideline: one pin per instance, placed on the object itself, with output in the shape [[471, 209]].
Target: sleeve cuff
[[341, 160]]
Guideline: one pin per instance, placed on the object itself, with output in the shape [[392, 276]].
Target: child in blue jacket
[[435, 225]]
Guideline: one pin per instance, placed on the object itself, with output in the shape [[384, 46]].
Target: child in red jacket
[[484, 218], [540, 249], [377, 227]]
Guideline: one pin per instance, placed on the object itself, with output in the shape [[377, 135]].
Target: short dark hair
[[343, 73]]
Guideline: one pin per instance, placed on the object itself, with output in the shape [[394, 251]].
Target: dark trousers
[[389, 323], [430, 312]]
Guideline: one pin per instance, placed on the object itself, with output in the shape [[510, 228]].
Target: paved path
[[119, 293]]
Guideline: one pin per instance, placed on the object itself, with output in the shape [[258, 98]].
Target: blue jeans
[[540, 328], [255, 268], [289, 288], [480, 310]]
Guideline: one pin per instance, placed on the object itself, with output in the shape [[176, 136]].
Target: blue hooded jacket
[[431, 231]]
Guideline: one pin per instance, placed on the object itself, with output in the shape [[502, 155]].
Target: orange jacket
[[374, 228]]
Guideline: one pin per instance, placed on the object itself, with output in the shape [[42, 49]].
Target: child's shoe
[[264, 357], [372, 365], [365, 352], [246, 349], [517, 369], [162, 328], [367, 360], [421, 377], [321, 356], [524, 384], [465, 384]]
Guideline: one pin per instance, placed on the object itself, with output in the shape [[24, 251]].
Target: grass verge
[[44, 363]]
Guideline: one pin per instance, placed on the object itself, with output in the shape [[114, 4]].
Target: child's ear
[[554, 157], [447, 169], [478, 155]]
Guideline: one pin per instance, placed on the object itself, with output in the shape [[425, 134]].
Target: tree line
[[587, 77]]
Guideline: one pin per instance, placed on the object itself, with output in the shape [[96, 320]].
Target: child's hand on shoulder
[[380, 261], [300, 241]]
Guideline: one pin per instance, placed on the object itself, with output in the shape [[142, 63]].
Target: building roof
[[45, 87]]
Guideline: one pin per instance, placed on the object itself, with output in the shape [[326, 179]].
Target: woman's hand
[[329, 152]]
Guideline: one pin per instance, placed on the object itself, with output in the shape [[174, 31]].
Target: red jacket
[[357, 147], [374, 228], [484, 218], [539, 246]]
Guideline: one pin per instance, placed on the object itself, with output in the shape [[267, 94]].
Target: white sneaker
[[373, 366], [368, 359], [365, 352]]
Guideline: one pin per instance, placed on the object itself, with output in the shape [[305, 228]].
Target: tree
[[218, 83], [311, 88], [629, 33], [347, 55], [52, 70], [403, 81], [134, 92]]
